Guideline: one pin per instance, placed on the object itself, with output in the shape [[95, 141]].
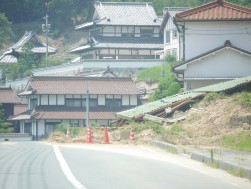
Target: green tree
[[26, 62], [5, 29], [5, 127]]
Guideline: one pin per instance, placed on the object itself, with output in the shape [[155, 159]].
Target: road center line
[[66, 169]]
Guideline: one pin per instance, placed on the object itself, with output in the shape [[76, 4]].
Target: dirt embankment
[[207, 125]]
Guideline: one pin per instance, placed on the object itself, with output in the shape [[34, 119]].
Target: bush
[[212, 97], [61, 128], [176, 128], [244, 98], [139, 127]]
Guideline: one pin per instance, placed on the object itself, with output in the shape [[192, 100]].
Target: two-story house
[[173, 43], [121, 30], [55, 100], [217, 45]]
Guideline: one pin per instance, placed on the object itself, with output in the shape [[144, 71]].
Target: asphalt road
[[32, 165]]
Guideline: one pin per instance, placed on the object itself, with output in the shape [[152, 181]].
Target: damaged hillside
[[216, 115]]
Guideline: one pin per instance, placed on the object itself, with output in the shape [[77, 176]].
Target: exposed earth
[[206, 124]]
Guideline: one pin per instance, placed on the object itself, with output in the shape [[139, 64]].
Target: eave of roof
[[101, 42], [81, 49], [57, 112]]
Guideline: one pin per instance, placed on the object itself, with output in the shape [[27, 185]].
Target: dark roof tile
[[7, 95]]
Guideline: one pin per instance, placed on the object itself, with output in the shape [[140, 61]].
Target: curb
[[223, 165]]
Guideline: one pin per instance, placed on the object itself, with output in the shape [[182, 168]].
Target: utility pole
[[87, 108], [46, 27]]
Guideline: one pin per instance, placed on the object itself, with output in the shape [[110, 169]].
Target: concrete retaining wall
[[13, 137]]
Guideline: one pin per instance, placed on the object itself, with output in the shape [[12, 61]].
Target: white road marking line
[[66, 170]]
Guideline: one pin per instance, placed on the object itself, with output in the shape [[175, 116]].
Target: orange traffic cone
[[106, 137], [89, 135], [132, 135]]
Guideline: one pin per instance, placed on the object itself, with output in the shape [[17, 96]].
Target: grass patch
[[236, 172], [139, 127], [153, 73], [215, 165], [238, 141], [212, 97], [176, 128], [172, 150], [244, 98]]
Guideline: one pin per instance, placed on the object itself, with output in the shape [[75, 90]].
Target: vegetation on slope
[[168, 84]]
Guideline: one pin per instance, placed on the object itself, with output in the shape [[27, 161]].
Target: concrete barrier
[[13, 137]]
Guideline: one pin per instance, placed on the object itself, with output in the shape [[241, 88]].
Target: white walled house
[[216, 25], [224, 63], [55, 100], [121, 30], [173, 43]]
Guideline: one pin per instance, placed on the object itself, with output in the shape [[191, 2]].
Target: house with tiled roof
[[217, 43], [55, 100], [8, 99], [121, 30], [171, 37], [11, 56]]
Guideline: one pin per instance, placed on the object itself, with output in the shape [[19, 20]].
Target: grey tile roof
[[30, 36], [154, 43], [12, 54], [126, 42], [8, 59], [124, 13]]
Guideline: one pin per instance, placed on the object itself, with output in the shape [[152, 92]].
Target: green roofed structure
[[157, 108]]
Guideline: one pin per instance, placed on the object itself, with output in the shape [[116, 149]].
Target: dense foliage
[[168, 84], [5, 29], [5, 127]]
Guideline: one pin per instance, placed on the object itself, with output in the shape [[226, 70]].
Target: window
[[33, 103], [93, 102], [168, 37], [73, 102], [175, 33], [113, 103], [146, 32]]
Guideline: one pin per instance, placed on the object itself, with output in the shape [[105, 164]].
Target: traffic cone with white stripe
[[132, 135]]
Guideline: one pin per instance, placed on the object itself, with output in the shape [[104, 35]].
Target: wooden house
[[121, 30], [55, 100]]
